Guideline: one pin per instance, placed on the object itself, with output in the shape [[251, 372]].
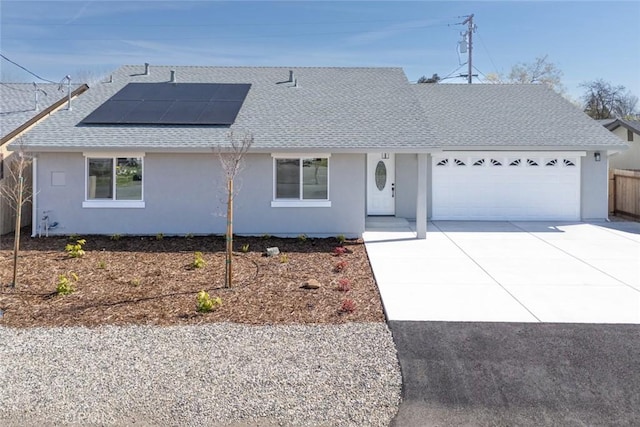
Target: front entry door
[[381, 178]]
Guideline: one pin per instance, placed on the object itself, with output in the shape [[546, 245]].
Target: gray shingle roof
[[17, 103], [332, 109], [508, 115]]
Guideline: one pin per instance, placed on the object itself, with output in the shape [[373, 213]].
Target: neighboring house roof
[[18, 109], [333, 109], [517, 116], [632, 125]]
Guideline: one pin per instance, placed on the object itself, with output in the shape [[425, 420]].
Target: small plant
[[188, 236], [340, 266], [102, 265], [245, 248], [159, 236], [348, 306], [344, 285], [205, 303], [75, 251], [115, 237], [339, 250], [135, 282], [65, 284], [73, 237], [302, 238], [198, 261], [341, 239], [266, 236], [284, 258]]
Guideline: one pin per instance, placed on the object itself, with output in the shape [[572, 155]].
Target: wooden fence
[[624, 193]]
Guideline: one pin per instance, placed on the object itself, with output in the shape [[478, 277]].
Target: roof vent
[[173, 76], [36, 89], [293, 79], [146, 68]]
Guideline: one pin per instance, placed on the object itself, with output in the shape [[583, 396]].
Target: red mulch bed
[[150, 281]]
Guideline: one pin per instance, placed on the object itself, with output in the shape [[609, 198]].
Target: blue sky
[[586, 40]]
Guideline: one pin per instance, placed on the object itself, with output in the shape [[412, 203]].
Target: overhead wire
[[27, 70]]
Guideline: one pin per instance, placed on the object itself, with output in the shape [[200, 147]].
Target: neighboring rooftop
[[508, 115], [632, 125], [287, 108], [18, 103]]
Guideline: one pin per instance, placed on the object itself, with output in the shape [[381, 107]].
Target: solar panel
[[172, 104]]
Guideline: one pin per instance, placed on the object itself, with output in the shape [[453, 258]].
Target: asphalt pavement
[[518, 374]]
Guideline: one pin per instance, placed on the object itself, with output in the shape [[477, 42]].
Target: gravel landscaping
[[218, 374]]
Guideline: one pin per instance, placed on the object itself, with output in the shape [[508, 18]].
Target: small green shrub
[[245, 248], [302, 238], [75, 251], [188, 236], [266, 236], [284, 258], [102, 265], [65, 284], [159, 236], [341, 239], [205, 303], [73, 237], [198, 261], [135, 282], [115, 236]]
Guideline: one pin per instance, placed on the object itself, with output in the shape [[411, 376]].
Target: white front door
[[381, 179]]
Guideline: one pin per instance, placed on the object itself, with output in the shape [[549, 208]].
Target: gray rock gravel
[[208, 375]]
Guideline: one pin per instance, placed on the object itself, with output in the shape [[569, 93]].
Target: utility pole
[[469, 34]]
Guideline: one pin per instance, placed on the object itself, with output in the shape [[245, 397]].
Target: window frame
[[113, 202], [300, 202]]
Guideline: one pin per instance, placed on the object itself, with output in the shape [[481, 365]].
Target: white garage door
[[514, 186]]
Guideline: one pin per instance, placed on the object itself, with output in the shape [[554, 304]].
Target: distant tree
[[602, 100], [232, 160], [539, 71], [17, 193], [433, 79]]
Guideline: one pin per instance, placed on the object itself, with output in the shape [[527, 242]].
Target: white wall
[[627, 159], [594, 192], [185, 193]]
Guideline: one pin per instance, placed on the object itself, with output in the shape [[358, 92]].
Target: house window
[[629, 135], [301, 181], [114, 181]]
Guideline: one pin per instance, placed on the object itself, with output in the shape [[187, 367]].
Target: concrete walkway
[[507, 271]]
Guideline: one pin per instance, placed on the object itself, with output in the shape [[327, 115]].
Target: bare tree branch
[[232, 161]]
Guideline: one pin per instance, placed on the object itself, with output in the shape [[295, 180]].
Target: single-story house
[[22, 106], [137, 154], [629, 131]]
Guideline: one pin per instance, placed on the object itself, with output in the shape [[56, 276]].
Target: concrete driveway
[[507, 271]]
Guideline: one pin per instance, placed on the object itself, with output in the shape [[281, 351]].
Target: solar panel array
[[172, 104]]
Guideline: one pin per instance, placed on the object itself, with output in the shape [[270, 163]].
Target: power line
[[28, 71], [488, 54], [15, 88]]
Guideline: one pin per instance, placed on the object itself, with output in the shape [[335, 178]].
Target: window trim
[[300, 202], [113, 203]]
